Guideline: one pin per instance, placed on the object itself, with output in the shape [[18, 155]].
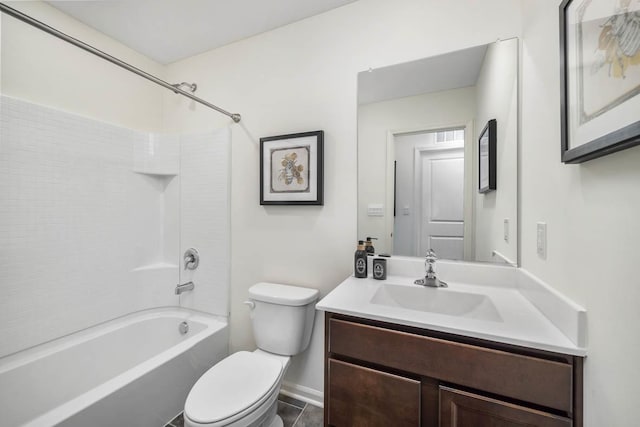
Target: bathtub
[[132, 371]]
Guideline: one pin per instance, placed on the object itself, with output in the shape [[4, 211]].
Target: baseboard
[[306, 394]]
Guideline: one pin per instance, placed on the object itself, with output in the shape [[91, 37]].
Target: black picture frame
[[487, 156], [297, 178], [618, 138]]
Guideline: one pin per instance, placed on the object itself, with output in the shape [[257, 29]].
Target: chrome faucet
[[430, 278], [184, 287]]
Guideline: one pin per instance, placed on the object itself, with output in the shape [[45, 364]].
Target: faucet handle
[[191, 259], [431, 256]]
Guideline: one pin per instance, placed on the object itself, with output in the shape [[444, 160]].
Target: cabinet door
[[463, 409], [365, 397]]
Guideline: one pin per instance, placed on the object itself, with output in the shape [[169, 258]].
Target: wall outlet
[[506, 230], [406, 210], [542, 239]]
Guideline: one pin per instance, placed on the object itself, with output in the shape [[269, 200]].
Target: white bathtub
[[132, 371]]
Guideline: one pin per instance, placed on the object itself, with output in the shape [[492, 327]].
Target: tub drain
[[183, 328]]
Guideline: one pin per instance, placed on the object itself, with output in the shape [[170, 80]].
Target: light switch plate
[[506, 230], [541, 232]]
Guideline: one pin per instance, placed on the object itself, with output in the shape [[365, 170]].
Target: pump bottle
[[360, 261], [368, 246]]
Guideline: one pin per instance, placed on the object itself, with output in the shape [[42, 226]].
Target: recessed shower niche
[[156, 162]]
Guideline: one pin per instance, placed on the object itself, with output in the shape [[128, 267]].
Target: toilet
[[242, 390]]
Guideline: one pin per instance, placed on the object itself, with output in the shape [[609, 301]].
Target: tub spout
[[184, 287]]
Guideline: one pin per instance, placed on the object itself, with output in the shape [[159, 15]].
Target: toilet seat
[[233, 388]]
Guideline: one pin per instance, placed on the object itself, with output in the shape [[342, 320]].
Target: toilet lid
[[231, 386]]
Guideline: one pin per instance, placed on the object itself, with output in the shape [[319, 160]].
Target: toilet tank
[[282, 317]]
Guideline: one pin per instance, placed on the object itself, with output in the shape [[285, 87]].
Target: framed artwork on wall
[[291, 169], [487, 145], [600, 77]]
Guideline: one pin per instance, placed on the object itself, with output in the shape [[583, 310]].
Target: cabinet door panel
[[365, 397], [463, 409]]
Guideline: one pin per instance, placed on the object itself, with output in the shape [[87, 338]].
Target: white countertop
[[521, 322]]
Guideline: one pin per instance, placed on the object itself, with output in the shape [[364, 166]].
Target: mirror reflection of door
[[429, 211]]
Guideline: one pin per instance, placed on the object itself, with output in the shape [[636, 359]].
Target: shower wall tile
[[204, 218], [75, 220], [157, 154]]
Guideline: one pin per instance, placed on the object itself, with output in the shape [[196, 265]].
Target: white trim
[[497, 254], [305, 394]]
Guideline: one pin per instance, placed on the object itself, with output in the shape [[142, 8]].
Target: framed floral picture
[[600, 77], [291, 169]]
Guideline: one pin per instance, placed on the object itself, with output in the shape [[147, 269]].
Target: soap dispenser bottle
[[368, 246], [360, 261]]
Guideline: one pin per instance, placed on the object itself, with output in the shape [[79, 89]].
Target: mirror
[[419, 125]]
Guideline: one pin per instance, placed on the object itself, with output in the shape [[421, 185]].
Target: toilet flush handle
[[251, 304]]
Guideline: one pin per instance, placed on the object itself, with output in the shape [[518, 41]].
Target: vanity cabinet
[[382, 374]]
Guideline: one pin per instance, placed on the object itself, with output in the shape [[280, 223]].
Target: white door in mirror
[[442, 222]]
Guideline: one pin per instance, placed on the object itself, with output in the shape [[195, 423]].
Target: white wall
[[429, 111], [592, 213], [302, 77], [40, 68], [497, 98]]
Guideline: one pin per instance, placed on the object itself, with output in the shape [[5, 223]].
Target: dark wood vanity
[[383, 374]]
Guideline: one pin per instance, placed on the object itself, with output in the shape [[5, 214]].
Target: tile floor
[[294, 413]]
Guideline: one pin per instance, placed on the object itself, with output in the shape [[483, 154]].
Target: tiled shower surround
[[93, 219]]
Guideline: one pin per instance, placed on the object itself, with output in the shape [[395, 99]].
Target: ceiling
[[433, 74], [170, 30]]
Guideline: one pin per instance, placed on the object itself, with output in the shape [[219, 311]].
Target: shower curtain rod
[[82, 45]]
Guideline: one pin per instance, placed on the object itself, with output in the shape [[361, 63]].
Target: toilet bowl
[[242, 390], [238, 391]]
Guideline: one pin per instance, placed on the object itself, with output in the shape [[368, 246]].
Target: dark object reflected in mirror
[[487, 158]]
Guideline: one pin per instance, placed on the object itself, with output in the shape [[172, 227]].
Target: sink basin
[[440, 301]]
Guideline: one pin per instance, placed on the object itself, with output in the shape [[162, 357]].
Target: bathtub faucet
[[184, 287]]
